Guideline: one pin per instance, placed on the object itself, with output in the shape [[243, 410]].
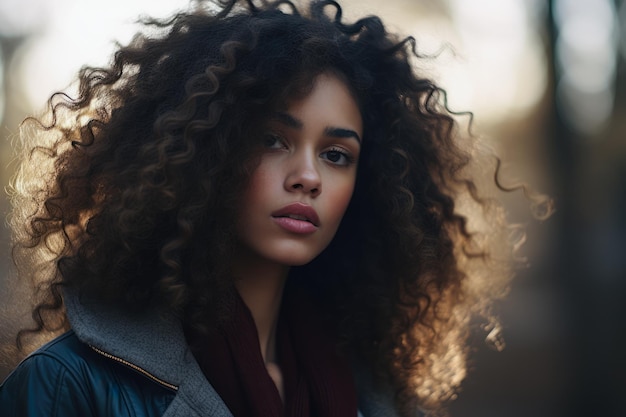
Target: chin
[[302, 263], [298, 260], [294, 256]]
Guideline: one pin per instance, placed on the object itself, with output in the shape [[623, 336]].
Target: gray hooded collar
[[156, 345], [151, 342]]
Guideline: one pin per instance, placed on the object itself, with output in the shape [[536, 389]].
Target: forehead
[[329, 101]]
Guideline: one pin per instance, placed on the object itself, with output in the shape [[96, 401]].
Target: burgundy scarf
[[317, 381]]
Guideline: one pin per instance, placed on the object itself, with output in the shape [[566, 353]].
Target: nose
[[303, 175]]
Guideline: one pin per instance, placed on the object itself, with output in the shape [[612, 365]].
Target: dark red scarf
[[317, 381]]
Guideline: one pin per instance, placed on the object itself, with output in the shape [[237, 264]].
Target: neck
[[261, 288]]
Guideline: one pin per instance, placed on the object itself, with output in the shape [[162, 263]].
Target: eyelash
[[349, 159], [271, 140], [273, 137]]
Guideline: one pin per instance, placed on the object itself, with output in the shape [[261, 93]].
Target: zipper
[[136, 368]]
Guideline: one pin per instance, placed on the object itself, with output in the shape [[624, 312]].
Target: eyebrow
[[336, 132]]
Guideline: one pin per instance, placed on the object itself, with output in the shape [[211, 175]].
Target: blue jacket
[[112, 365]]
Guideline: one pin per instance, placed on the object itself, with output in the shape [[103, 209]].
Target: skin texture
[[298, 167], [310, 155]]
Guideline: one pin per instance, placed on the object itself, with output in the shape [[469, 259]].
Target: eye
[[338, 156], [273, 141]]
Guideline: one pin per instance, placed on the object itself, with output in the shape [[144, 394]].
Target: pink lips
[[297, 218]]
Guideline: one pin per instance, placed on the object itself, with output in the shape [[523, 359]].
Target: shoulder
[[60, 357], [66, 351], [63, 357], [66, 377], [47, 381]]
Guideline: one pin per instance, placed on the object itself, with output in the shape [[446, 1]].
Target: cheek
[[339, 200], [260, 182]]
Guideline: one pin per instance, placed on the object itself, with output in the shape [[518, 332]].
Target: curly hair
[[130, 191]]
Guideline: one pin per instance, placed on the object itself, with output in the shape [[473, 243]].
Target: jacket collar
[[152, 342], [156, 344]]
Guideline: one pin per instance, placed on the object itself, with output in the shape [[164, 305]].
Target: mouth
[[296, 217], [298, 212]]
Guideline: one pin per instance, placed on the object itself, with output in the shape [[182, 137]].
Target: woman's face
[[301, 188]]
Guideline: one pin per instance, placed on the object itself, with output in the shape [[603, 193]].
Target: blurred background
[[546, 82]]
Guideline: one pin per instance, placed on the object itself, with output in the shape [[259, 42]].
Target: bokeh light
[[586, 52], [21, 17], [504, 74], [79, 33]]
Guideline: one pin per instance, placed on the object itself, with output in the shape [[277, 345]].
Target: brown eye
[[273, 141], [337, 157], [333, 156]]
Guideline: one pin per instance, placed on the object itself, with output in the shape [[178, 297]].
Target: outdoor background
[[546, 83]]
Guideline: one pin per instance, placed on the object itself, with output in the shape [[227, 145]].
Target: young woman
[[251, 212]]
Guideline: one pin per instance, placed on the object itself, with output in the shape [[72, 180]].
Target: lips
[[298, 212]]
